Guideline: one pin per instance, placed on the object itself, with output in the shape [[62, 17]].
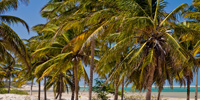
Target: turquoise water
[[165, 89]]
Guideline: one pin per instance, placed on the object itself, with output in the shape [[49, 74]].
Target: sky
[[172, 4], [31, 14]]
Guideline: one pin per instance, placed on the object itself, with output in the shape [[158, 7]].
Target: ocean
[[165, 89]]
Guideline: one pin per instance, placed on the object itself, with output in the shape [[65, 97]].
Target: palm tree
[[93, 40], [196, 85], [6, 32], [187, 36], [111, 67], [9, 37], [58, 61], [148, 41], [9, 67], [192, 13], [91, 67], [36, 43], [39, 89], [11, 4], [122, 97], [60, 83], [108, 68], [150, 12], [190, 34], [57, 50]]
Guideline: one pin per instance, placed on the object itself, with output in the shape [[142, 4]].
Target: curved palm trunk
[[116, 88], [196, 90], [76, 79], [159, 91], [149, 84], [45, 91], [57, 96], [39, 91], [188, 87], [73, 85], [91, 68], [60, 90], [122, 97], [31, 87]]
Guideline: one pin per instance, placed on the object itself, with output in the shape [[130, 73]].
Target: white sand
[[50, 96], [84, 95], [16, 97], [67, 96]]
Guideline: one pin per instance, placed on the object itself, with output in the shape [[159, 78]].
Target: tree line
[[123, 41]]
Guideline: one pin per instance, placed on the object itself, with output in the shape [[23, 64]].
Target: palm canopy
[[150, 48], [8, 35], [64, 60], [9, 68], [6, 5], [95, 19], [190, 29], [54, 51], [61, 61], [8, 64], [141, 27]]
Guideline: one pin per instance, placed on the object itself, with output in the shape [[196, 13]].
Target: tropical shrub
[[103, 90]]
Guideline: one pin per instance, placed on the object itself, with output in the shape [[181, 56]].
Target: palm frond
[[180, 8], [12, 20]]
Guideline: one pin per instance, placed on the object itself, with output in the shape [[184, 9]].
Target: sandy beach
[[84, 95]]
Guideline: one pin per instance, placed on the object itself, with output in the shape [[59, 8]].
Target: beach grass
[[13, 91]]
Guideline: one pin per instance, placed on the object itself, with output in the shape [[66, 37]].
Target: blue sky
[[31, 14], [172, 4]]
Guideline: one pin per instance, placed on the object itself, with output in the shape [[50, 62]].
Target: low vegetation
[[139, 97], [13, 91]]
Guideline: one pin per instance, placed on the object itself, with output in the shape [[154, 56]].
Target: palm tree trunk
[[73, 85], [116, 89], [84, 86], [76, 80], [188, 88], [91, 68], [31, 87], [122, 97], [60, 86], [39, 90], [159, 91], [9, 83], [150, 82], [196, 90], [57, 95], [45, 91]]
